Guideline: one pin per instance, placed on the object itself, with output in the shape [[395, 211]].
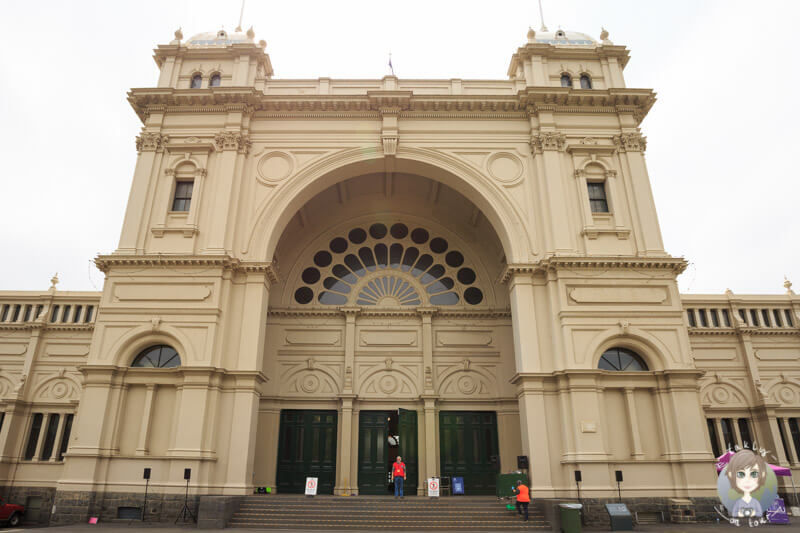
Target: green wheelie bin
[[570, 517]]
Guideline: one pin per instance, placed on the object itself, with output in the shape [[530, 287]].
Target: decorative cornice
[[553, 263], [390, 312], [233, 140], [548, 141], [531, 100], [630, 142], [105, 263], [149, 141]]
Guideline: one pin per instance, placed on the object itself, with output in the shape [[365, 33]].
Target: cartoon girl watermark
[[747, 487]]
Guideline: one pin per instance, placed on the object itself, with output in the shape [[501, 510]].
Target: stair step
[[384, 513]]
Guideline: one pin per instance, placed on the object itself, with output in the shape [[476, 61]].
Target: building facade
[[310, 271]]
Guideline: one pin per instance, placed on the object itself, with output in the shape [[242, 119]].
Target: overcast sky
[[721, 137]]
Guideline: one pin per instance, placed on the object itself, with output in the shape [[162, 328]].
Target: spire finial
[[531, 35], [251, 33], [54, 281], [179, 34], [541, 17], [241, 14], [788, 285], [604, 35]]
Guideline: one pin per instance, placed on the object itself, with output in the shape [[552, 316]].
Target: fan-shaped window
[[566, 80], [161, 356], [622, 360], [586, 81], [386, 253], [197, 81], [215, 81]]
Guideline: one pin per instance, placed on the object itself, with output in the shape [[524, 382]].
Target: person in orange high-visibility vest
[[398, 476], [523, 498]]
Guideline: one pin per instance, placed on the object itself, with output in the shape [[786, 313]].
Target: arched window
[[566, 80], [586, 81], [389, 265], [197, 81], [160, 356], [215, 80], [622, 360]]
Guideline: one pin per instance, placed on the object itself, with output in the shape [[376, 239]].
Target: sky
[[721, 137]]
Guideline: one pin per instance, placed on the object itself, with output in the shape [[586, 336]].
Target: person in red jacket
[[523, 498], [398, 476]]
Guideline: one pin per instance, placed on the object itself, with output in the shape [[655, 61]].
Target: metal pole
[[619, 492], [794, 490], [144, 507]]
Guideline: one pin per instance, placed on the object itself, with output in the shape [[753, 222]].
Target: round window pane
[[438, 245], [310, 275], [622, 360], [409, 259], [473, 296], [303, 295], [466, 276], [454, 258], [323, 258], [357, 236], [419, 236], [338, 245], [377, 231], [399, 231], [395, 255]]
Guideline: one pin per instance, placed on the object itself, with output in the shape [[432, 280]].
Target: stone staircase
[[373, 513]]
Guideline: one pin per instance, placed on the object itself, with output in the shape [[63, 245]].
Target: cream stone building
[[308, 267]]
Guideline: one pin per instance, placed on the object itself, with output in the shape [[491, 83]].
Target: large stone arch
[[273, 216]]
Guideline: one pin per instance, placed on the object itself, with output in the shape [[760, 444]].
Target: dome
[[219, 38], [564, 37]]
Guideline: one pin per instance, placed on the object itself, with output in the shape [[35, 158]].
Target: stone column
[[343, 450], [150, 145], [241, 453], [549, 144], [233, 145], [147, 417], [523, 317], [192, 414], [534, 424], [426, 314], [431, 466], [631, 146], [636, 439]]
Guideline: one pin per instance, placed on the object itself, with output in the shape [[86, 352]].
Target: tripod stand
[[185, 511]]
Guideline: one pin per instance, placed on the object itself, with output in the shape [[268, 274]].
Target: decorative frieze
[[151, 142], [548, 141], [233, 140], [630, 142]]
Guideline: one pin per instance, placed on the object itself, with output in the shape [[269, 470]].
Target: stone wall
[[30, 497], [77, 507], [681, 510]]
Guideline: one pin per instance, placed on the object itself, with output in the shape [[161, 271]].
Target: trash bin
[[570, 517]]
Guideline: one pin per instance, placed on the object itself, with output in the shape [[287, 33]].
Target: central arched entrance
[[389, 314]]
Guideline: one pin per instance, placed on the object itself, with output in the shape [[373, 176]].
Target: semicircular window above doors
[[388, 265]]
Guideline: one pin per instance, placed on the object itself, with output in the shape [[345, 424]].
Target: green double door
[[306, 448], [469, 449], [376, 453]]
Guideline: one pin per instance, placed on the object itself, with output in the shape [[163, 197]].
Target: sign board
[[433, 487], [621, 519], [776, 514], [311, 486], [458, 486], [617, 509]]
